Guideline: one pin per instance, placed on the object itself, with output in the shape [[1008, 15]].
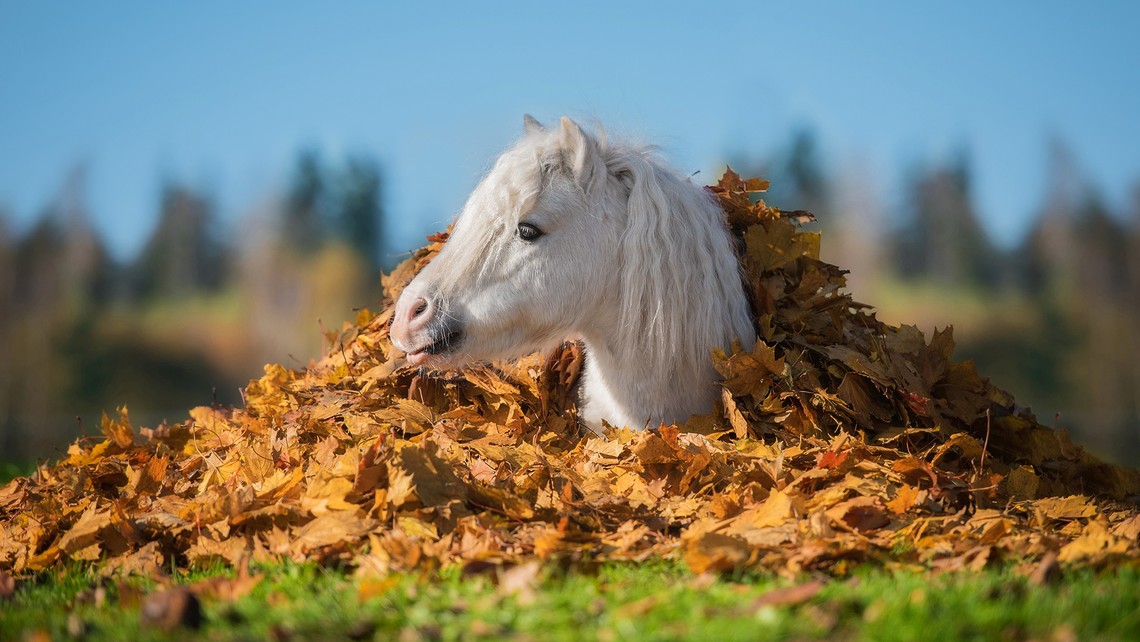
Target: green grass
[[654, 601], [11, 470]]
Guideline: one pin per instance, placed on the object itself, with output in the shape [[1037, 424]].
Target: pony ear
[[581, 151], [531, 124]]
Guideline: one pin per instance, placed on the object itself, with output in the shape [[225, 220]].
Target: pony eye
[[528, 232]]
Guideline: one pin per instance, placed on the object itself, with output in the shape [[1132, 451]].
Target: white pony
[[570, 236]]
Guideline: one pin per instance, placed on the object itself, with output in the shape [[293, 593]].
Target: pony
[[572, 237]]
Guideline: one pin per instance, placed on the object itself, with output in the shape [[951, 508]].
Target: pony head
[[529, 260], [569, 236]]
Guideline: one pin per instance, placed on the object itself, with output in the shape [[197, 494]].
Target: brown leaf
[[860, 513], [433, 479], [904, 499], [521, 582], [1094, 543], [169, 609], [749, 373], [227, 589], [863, 398], [1046, 571], [831, 459], [1129, 529], [86, 529], [716, 553], [148, 561], [790, 595], [1066, 508], [1022, 483], [732, 413], [118, 431], [7, 584], [331, 528], [774, 511]]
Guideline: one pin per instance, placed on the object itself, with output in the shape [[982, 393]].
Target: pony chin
[[425, 359], [485, 347]]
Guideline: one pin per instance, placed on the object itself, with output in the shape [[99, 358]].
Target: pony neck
[[638, 390]]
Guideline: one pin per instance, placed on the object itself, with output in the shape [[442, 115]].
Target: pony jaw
[[435, 350]]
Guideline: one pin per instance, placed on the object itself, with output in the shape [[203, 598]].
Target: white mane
[[633, 259]]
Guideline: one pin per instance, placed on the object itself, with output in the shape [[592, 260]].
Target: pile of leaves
[[837, 440]]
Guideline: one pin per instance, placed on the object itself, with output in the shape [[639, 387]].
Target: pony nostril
[[421, 307]]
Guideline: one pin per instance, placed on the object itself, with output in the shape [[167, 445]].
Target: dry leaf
[[790, 595], [169, 609]]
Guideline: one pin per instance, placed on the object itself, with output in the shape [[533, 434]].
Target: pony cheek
[[512, 334]]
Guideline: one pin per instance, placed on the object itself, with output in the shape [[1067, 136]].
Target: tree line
[[190, 318]]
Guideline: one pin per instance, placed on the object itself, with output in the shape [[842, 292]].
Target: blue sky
[[222, 95]]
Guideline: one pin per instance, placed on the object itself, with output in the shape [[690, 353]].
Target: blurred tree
[[1078, 261], [1133, 313], [1103, 363], [1133, 218], [1102, 247], [304, 224], [60, 279], [62, 262], [799, 181], [360, 214], [1050, 256], [8, 436], [178, 326], [183, 254], [941, 238], [854, 234], [803, 168]]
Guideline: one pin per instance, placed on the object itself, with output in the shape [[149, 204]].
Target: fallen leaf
[[789, 595], [713, 552], [169, 609], [7, 585]]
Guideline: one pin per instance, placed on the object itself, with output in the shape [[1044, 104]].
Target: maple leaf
[[714, 552], [750, 373], [118, 431], [777, 244], [790, 595], [170, 608], [7, 585]]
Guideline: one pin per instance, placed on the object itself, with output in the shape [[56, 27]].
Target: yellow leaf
[[714, 552], [414, 527], [1066, 508], [118, 431]]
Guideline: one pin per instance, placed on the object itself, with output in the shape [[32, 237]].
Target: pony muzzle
[[422, 332]]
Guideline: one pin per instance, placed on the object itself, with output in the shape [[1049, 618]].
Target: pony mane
[[681, 292]]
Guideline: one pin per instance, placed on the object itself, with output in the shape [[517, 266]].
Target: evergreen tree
[[305, 216], [1049, 255], [183, 254], [8, 438], [805, 174], [942, 238], [360, 210]]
